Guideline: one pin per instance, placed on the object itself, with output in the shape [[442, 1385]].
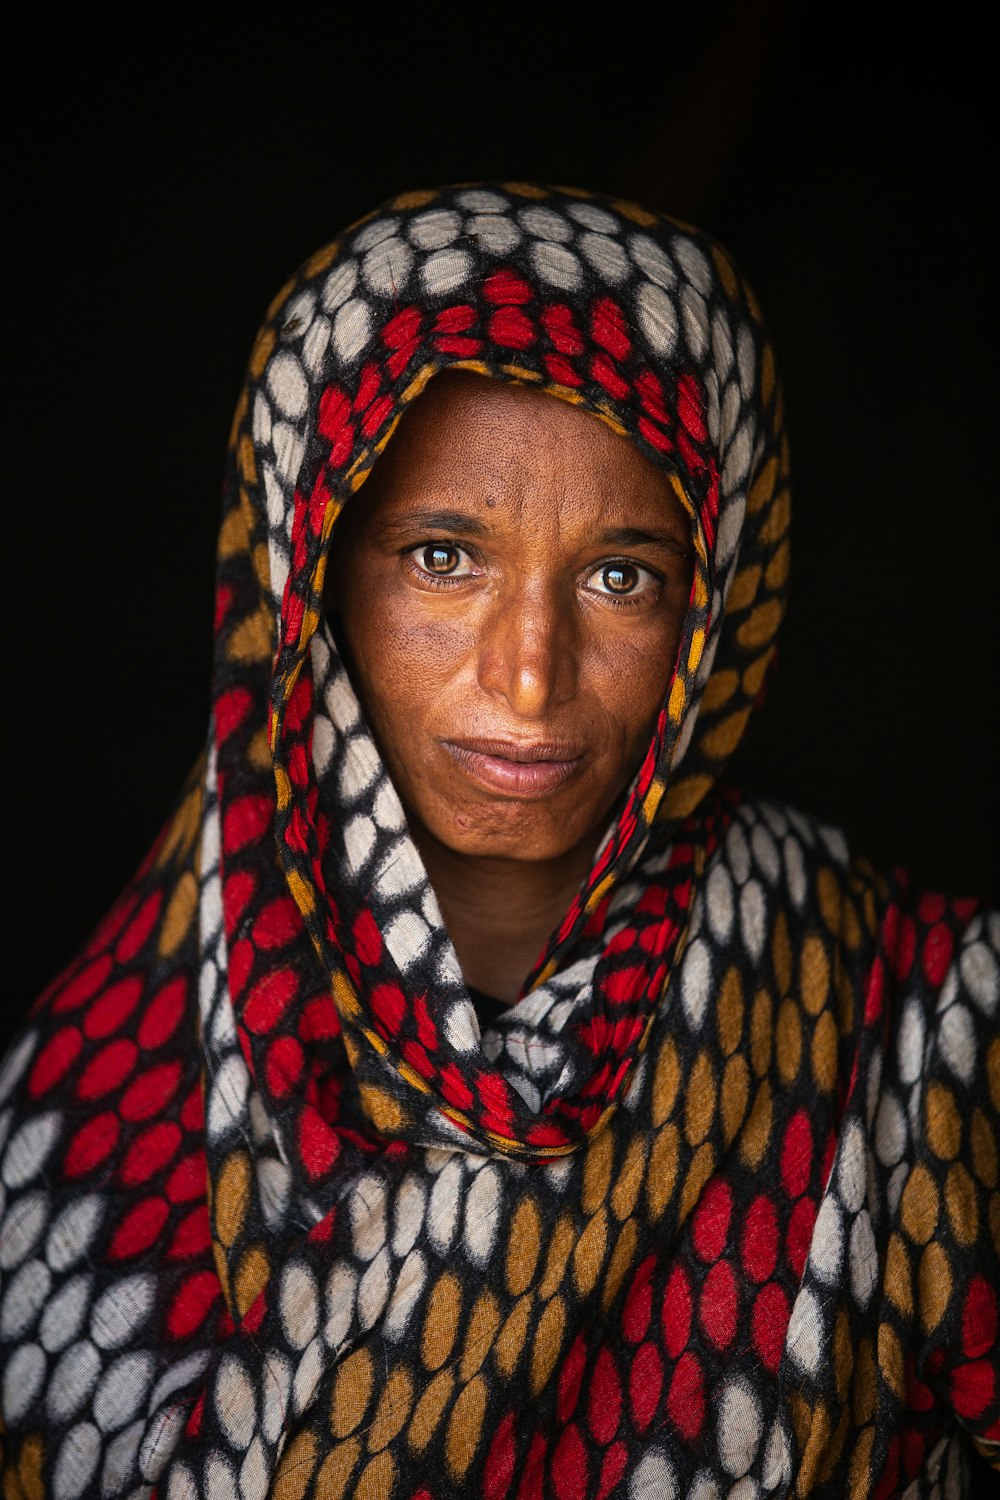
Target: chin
[[511, 830]]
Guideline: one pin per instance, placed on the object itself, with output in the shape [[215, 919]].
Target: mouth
[[517, 768]]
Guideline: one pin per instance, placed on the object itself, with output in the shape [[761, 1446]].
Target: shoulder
[[780, 876], [785, 901]]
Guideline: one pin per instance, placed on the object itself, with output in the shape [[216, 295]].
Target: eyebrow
[[436, 520], [468, 525], [633, 536]]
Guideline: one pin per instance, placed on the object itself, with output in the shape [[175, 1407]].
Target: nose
[[528, 650]]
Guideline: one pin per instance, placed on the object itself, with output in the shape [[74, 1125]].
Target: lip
[[517, 768]]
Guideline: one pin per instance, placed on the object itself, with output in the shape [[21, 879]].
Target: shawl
[[711, 1210]]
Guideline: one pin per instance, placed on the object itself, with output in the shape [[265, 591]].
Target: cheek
[[405, 660], [627, 675]]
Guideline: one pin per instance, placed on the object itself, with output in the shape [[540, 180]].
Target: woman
[[468, 1096]]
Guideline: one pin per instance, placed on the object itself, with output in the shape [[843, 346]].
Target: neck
[[499, 912]]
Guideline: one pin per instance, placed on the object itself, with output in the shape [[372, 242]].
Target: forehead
[[453, 395], [466, 426]]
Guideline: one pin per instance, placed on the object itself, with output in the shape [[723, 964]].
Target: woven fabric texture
[[711, 1211]]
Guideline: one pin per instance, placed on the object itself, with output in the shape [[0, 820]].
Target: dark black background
[[162, 184]]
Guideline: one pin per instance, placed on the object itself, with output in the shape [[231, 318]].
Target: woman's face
[[512, 582]]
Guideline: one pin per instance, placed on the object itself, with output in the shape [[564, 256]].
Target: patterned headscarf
[[647, 326], [307, 1229]]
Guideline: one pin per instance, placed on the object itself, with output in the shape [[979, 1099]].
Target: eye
[[442, 560], [622, 579]]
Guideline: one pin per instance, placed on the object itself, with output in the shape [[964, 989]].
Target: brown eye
[[624, 580], [619, 578], [439, 558]]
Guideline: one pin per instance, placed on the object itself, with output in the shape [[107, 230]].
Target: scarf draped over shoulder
[[711, 1211]]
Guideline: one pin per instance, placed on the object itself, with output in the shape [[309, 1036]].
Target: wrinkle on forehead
[[523, 452]]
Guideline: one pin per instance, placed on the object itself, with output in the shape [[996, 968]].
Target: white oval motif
[[122, 1391], [26, 1293], [227, 1099], [864, 1258], [804, 1337], [482, 201], [482, 1214], [16, 1062], [255, 1471], [22, 1227], [276, 1383], [739, 1427], [653, 1477], [545, 223], [341, 1288], [981, 976], [777, 1458], [753, 909], [826, 1251], [494, 234], [891, 1130], [351, 329], [594, 218], [72, 1381], [442, 1217], [121, 1311], [307, 1376], [28, 1149], [694, 314], [445, 270], [374, 233], [957, 1041], [434, 229], [78, 1455], [314, 348], [719, 900], [299, 1305], [795, 870], [693, 263], [910, 1043], [852, 1167], [696, 981], [64, 1313], [657, 318], [22, 1381], [220, 1480], [652, 260], [339, 285], [367, 1211], [386, 268], [185, 1372], [159, 1440], [407, 1214], [405, 1295], [287, 384], [738, 853], [765, 853], [374, 1289], [556, 265], [235, 1402], [120, 1458]]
